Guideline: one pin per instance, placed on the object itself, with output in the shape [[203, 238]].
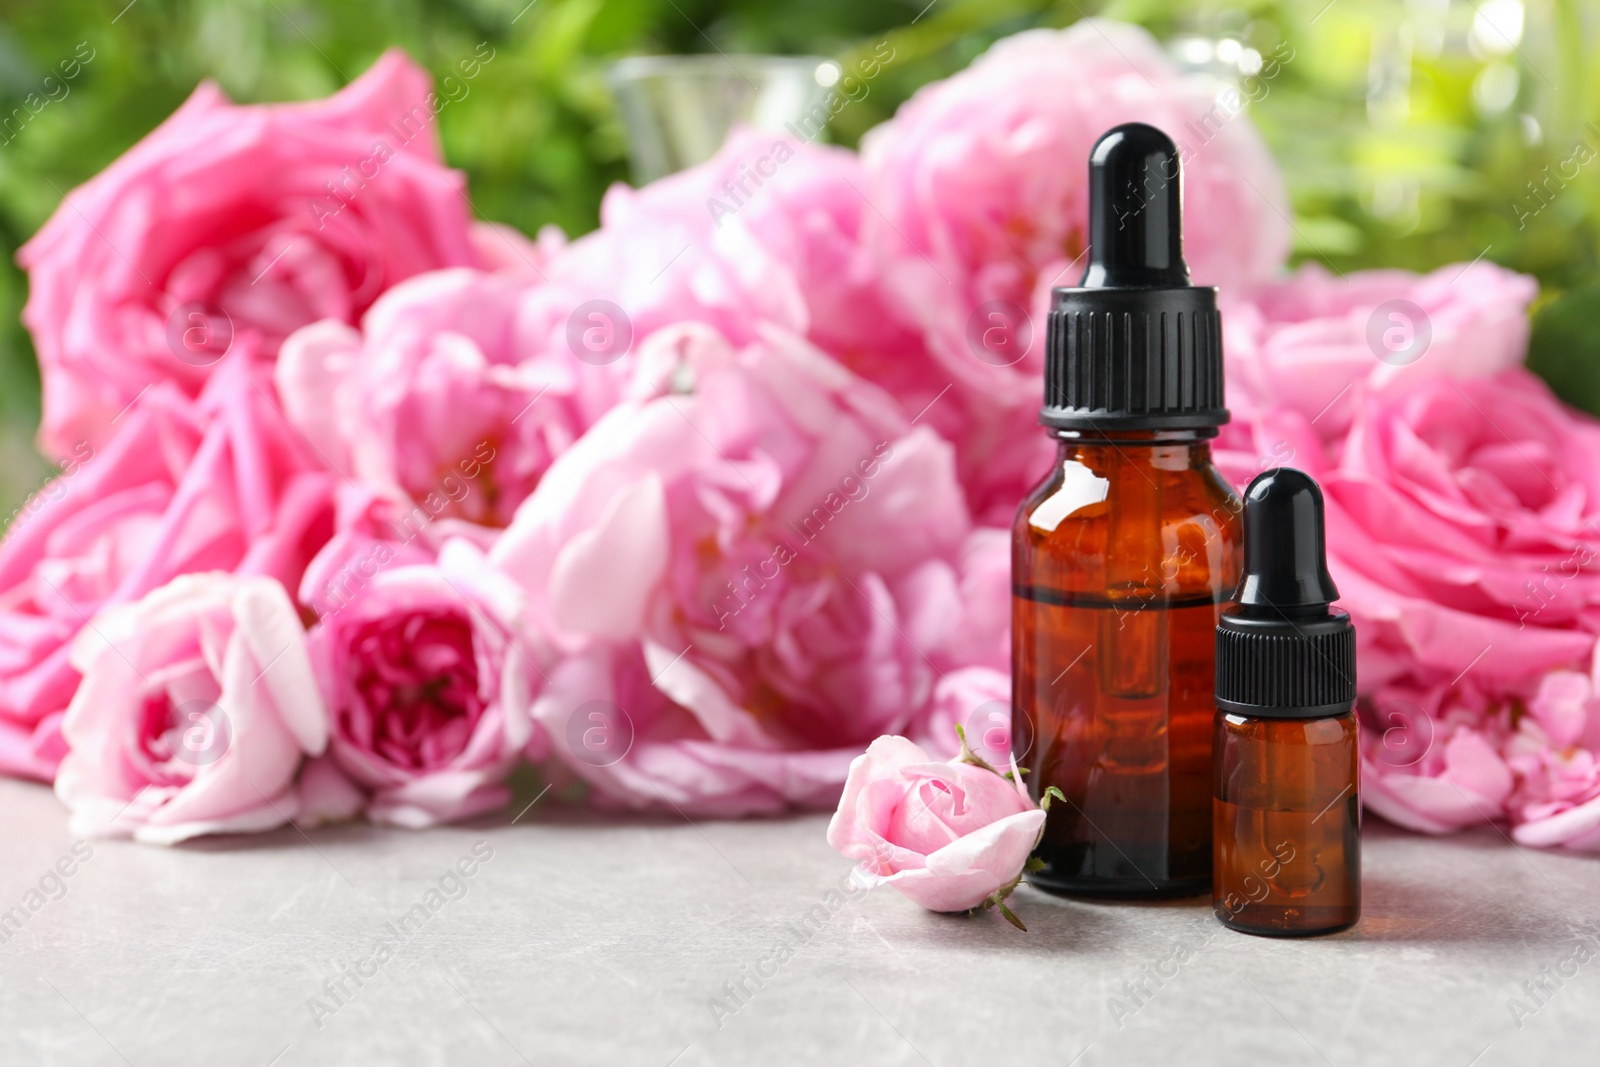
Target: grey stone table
[[585, 939]]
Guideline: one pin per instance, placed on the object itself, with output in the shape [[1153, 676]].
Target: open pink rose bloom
[[235, 222], [364, 505], [196, 709]]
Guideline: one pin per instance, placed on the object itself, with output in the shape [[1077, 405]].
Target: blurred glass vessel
[[678, 110]]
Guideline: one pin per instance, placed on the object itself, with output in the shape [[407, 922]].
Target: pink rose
[[1463, 757], [978, 701], [768, 230], [986, 596], [1432, 757], [951, 836], [1464, 534], [230, 222], [1555, 755], [196, 706], [659, 258], [808, 215], [218, 483], [979, 186], [743, 574], [1467, 516], [1322, 345], [426, 694], [459, 385]]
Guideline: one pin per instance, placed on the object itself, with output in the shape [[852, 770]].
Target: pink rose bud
[[951, 836]]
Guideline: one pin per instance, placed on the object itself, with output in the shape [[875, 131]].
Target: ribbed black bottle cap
[[1282, 652], [1134, 346]]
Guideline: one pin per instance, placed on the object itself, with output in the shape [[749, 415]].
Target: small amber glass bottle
[[1125, 553], [1287, 809]]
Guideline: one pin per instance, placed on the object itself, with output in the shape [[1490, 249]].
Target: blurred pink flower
[[229, 222], [743, 574], [979, 186], [460, 385], [1527, 757], [768, 230], [1321, 346], [1431, 757], [1464, 535], [504, 250], [196, 705], [1467, 517], [1555, 754], [427, 695], [218, 483], [808, 219], [950, 836]]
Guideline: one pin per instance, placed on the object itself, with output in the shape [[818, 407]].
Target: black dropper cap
[[1282, 652], [1134, 346]]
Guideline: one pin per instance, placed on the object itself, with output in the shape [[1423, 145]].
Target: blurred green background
[[1413, 132]]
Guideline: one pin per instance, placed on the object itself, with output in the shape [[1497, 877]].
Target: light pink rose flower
[[1467, 515], [1555, 755], [218, 483], [427, 695], [1323, 345], [196, 707], [768, 230], [986, 594], [1431, 757], [660, 257], [1464, 757], [459, 384], [979, 186], [504, 250], [951, 836], [1464, 535], [453, 366], [743, 574], [978, 700], [230, 222], [809, 217]]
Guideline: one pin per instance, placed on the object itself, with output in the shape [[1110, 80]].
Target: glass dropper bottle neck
[[1187, 449], [1080, 440]]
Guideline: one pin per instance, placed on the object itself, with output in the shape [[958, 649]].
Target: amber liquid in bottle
[[1288, 825], [1121, 561]]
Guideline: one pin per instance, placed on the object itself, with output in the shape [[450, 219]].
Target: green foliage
[[1404, 142], [1562, 348]]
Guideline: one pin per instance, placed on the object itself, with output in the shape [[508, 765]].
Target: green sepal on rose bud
[[966, 755], [998, 899]]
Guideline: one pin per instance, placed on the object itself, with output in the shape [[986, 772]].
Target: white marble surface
[[594, 940]]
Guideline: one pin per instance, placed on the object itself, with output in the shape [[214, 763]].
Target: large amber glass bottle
[[1122, 561], [1124, 555]]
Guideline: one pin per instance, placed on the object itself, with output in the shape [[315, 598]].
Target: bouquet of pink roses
[[363, 503]]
